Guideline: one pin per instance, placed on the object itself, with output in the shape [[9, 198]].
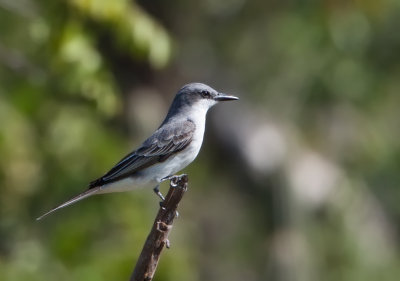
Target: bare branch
[[158, 237]]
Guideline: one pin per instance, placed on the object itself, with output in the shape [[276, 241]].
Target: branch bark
[[158, 237]]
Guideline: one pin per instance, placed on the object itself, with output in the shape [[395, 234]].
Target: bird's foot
[[170, 177], [174, 179]]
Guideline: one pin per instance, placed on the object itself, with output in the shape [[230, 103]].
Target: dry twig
[[158, 237]]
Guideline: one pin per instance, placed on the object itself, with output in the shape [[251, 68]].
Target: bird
[[172, 147]]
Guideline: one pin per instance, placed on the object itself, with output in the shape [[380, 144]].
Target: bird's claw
[[167, 178]]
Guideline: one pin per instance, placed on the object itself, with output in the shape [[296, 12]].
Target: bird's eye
[[205, 94]]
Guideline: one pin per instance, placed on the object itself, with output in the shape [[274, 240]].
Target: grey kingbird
[[173, 146]]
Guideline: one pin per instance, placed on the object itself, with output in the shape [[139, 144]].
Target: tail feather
[[73, 200]]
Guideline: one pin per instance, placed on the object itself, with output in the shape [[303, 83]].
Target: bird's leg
[[169, 178], [157, 191]]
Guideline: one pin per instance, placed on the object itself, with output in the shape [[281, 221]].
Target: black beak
[[224, 97]]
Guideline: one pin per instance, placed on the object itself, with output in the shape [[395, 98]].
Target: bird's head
[[200, 95]]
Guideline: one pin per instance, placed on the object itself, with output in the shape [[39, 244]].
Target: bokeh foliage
[[297, 181]]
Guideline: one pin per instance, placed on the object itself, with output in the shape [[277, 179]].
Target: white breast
[[176, 163]]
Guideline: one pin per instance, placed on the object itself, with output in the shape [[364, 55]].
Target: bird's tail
[[73, 200]]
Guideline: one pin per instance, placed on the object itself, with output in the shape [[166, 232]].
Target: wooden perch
[[158, 237]]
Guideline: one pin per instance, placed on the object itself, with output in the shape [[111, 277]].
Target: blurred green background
[[297, 181]]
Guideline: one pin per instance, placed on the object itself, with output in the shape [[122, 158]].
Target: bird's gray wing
[[166, 141]]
